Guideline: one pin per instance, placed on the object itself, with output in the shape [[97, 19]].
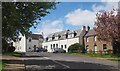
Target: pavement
[[14, 63], [36, 61]]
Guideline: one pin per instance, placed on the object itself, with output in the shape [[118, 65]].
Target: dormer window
[[47, 39], [53, 37], [66, 35], [75, 33], [59, 36]]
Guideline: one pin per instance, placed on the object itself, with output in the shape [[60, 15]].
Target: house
[[64, 39], [95, 45], [28, 43]]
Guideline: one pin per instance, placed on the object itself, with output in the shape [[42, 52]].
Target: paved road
[[39, 61]]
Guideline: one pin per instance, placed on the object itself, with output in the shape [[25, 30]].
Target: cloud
[[107, 6], [80, 17], [85, 17], [49, 27], [110, 0]]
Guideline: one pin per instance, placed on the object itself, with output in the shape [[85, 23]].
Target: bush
[[76, 48], [11, 49]]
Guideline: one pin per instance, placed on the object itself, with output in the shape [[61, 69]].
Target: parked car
[[41, 50], [59, 50]]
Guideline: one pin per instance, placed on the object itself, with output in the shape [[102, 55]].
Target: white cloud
[[49, 27], [110, 0], [107, 6], [80, 17]]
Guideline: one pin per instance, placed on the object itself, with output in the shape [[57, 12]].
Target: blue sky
[[71, 15]]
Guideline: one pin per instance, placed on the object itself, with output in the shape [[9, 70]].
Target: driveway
[[40, 61]]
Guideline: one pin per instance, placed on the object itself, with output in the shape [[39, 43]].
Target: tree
[[107, 28], [18, 17]]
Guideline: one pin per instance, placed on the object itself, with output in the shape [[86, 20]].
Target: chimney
[[84, 28], [88, 28]]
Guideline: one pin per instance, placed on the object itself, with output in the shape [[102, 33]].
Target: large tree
[[108, 28], [18, 17]]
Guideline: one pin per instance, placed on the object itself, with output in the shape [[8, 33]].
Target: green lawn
[[106, 56], [2, 64], [12, 54]]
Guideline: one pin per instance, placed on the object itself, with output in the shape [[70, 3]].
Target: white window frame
[[95, 38], [87, 39]]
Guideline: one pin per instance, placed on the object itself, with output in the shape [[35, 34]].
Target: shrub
[[11, 49], [76, 48]]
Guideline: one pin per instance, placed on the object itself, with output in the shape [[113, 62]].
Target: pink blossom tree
[[108, 28]]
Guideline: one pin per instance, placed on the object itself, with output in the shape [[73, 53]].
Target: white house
[[64, 39], [29, 43]]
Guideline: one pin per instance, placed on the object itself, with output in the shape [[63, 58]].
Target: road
[[35, 61]]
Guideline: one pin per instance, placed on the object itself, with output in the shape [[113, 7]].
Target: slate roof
[[91, 32], [63, 34], [36, 36]]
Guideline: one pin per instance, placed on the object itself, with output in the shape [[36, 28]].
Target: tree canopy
[[107, 26], [18, 17]]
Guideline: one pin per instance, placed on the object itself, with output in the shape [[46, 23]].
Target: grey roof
[[63, 34], [91, 32], [36, 36], [57, 33]]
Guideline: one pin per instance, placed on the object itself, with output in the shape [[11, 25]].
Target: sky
[[72, 15]]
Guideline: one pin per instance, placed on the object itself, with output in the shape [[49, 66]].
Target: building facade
[[95, 45], [29, 43], [63, 39]]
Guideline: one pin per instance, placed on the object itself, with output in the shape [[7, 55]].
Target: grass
[[105, 56], [2, 64], [16, 54]]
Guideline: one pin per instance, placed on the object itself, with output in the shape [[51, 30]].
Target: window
[[56, 45], [87, 48], [95, 38], [87, 39], [29, 40], [59, 36], [51, 46], [66, 35], [95, 47], [47, 39], [53, 37], [65, 46], [61, 46], [75, 33], [104, 46]]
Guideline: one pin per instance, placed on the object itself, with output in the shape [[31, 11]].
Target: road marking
[[61, 64]]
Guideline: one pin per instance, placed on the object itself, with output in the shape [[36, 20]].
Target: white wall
[[66, 42], [20, 45]]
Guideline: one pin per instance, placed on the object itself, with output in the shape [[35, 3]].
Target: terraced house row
[[63, 39], [85, 36]]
